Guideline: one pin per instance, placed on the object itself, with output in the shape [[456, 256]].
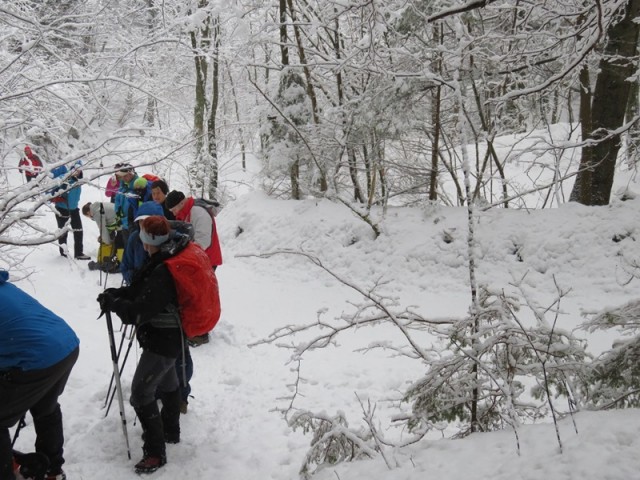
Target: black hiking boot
[[198, 340], [30, 465], [150, 464], [154, 446]]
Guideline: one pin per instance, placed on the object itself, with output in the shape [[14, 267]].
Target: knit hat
[[147, 209], [154, 230], [122, 169], [173, 198], [140, 183]]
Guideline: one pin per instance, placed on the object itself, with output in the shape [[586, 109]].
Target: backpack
[[197, 288], [151, 177], [210, 206]]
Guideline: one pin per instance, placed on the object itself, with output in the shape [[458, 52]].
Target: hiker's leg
[[76, 225], [62, 217]]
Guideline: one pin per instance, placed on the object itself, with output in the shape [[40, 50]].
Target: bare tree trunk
[[199, 45], [610, 98], [633, 135], [582, 185], [435, 120], [294, 170], [212, 136], [238, 119], [150, 111], [309, 84], [353, 173]]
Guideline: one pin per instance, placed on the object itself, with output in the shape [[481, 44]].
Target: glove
[[107, 301], [108, 298]]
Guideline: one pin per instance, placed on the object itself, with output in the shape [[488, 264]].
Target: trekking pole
[[124, 361], [100, 246], [21, 423], [116, 374], [124, 334]]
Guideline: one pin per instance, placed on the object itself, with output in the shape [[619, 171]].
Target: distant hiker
[[37, 352], [126, 176], [30, 164], [151, 302], [66, 205], [104, 215], [159, 191], [206, 234], [113, 184]]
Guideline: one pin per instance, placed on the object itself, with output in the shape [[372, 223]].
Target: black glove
[[107, 301], [108, 298]]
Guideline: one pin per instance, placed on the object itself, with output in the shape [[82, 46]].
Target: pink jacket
[[112, 187]]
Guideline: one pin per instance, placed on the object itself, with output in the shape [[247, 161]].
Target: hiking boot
[[82, 256], [150, 464], [29, 465], [198, 340]]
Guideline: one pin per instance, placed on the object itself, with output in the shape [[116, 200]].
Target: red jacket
[[30, 164], [213, 251]]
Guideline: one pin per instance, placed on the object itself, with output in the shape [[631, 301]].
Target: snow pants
[[62, 217], [37, 392]]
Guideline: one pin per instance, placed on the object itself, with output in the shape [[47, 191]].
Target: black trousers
[[153, 373], [37, 392], [62, 217]]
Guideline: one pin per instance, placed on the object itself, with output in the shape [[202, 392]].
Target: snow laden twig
[[405, 321], [333, 441], [544, 354], [369, 413]]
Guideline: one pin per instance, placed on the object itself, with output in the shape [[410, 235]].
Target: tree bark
[[597, 166]]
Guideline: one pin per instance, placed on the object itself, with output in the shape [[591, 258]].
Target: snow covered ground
[[234, 429]]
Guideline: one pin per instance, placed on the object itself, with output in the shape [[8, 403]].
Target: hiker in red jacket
[[30, 164], [206, 234]]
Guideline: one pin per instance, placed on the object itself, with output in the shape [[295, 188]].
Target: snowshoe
[[31, 465]]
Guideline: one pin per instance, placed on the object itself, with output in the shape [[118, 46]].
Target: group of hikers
[[169, 294]]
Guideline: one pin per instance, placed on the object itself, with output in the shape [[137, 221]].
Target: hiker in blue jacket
[[67, 208], [134, 253], [37, 352]]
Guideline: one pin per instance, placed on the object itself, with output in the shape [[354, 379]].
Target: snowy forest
[[482, 105]]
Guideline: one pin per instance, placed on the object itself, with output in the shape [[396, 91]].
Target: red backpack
[[197, 288]]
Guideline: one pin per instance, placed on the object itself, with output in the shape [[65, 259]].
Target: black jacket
[[151, 302]]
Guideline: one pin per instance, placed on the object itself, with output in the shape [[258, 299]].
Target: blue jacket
[[134, 253], [122, 202], [71, 198], [32, 336]]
